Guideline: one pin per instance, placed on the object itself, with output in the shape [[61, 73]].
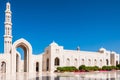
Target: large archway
[[25, 58], [18, 57], [27, 50]]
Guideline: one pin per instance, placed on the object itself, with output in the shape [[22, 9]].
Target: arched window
[[101, 62], [83, 62], [57, 61], [107, 62], [89, 62], [68, 62], [47, 63], [95, 62], [116, 62], [37, 66], [3, 67], [75, 63]]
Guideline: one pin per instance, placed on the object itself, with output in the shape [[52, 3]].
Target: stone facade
[[53, 56]]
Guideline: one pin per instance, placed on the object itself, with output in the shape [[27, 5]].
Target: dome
[[113, 52], [102, 49]]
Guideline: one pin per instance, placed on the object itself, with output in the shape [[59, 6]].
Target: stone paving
[[111, 75]]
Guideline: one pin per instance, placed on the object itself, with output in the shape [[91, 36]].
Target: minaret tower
[[8, 29]]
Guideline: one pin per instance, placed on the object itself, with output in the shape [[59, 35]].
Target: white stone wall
[[6, 59], [76, 57], [53, 51], [37, 58]]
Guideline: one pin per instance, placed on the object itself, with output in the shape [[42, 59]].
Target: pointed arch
[[83, 61], [116, 63], [47, 63], [27, 48], [37, 66], [57, 61], [3, 67], [23, 43], [68, 62], [89, 62], [95, 62], [101, 62], [107, 62], [75, 62]]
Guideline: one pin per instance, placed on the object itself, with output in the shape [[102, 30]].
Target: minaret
[[8, 29]]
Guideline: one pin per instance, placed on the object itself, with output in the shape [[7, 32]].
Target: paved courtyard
[[112, 75]]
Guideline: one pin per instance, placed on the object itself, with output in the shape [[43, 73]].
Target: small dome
[[102, 49], [53, 44], [113, 52]]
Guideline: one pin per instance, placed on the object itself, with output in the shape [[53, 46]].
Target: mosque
[[53, 56]]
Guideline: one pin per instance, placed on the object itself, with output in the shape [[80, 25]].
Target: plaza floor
[[110, 75]]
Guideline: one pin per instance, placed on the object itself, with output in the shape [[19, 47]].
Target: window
[[68, 62], [47, 51], [101, 62], [75, 63], [89, 62], [57, 50], [57, 61], [107, 62], [95, 62], [83, 61], [3, 67]]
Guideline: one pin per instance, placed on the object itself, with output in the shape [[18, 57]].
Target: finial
[[8, 5], [53, 41], [78, 48]]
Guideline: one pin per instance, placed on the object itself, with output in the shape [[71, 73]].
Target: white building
[[54, 55]]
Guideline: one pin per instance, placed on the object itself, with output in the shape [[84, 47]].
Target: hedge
[[67, 69], [87, 68]]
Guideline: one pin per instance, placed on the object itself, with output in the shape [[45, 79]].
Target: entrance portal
[[22, 64], [25, 59]]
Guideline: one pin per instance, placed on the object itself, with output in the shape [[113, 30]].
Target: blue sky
[[91, 24]]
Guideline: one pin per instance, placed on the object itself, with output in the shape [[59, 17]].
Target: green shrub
[[88, 68], [67, 69], [82, 67], [118, 66], [95, 68], [59, 69], [104, 68], [91, 68], [113, 67], [108, 68]]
